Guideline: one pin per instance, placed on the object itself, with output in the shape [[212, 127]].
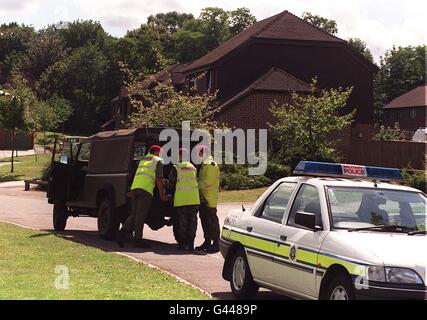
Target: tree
[[401, 70], [304, 126], [388, 134], [17, 110], [361, 47], [328, 25], [240, 19], [51, 114], [164, 106], [41, 52], [13, 38], [215, 26], [81, 33], [172, 21]]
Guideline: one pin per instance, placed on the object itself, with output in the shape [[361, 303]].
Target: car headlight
[[393, 275], [400, 275]]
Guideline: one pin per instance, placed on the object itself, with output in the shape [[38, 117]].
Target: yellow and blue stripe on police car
[[306, 259]]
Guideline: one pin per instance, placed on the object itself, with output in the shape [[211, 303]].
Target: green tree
[[387, 133], [304, 126], [401, 70], [51, 114], [41, 52], [361, 47], [163, 105], [17, 110], [328, 25], [240, 19], [172, 21], [81, 33], [13, 39], [215, 26]]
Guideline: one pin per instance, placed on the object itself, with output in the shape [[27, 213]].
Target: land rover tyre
[[242, 283], [340, 288], [60, 216], [108, 220]]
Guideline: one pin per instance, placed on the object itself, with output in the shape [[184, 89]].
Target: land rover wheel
[[60, 216], [340, 288], [242, 283], [108, 221]]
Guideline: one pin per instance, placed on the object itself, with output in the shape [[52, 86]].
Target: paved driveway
[[32, 210]]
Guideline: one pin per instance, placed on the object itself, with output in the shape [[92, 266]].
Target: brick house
[[266, 62], [408, 110], [22, 141]]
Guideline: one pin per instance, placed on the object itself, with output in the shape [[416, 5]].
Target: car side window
[[276, 204], [84, 154], [307, 200]]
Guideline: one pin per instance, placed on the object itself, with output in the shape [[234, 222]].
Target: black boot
[[190, 246], [214, 248], [120, 237], [205, 246], [181, 246]]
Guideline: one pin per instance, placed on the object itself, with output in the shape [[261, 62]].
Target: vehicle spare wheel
[[108, 222], [60, 216]]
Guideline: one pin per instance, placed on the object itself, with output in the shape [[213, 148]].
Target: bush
[[235, 177], [415, 179]]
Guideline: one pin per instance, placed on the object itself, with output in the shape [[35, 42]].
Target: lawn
[[26, 167], [238, 195], [27, 271]]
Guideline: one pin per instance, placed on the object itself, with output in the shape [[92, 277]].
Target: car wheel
[[242, 284], [108, 221], [60, 216], [340, 288]]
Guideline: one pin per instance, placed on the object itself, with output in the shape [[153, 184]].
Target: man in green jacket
[[148, 175], [186, 200], [208, 179]]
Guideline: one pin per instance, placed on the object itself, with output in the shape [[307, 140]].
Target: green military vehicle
[[91, 176]]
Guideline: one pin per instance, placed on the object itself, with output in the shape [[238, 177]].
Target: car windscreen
[[366, 207]]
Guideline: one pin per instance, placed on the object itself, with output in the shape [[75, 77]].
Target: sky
[[380, 23]]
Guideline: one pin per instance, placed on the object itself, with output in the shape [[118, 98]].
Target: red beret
[[155, 148]]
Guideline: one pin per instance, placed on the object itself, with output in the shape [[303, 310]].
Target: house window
[[209, 80], [412, 113], [193, 84]]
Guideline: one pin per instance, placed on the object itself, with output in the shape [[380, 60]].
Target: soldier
[[148, 175], [186, 201], [208, 179]]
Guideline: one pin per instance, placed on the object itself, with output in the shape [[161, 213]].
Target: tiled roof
[[414, 98], [284, 25], [274, 80]]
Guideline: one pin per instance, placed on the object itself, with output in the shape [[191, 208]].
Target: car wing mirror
[[307, 220]]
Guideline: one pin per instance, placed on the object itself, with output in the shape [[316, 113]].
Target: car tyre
[[60, 216], [340, 288], [242, 283], [108, 220]]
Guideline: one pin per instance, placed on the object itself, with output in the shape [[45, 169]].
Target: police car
[[333, 231]]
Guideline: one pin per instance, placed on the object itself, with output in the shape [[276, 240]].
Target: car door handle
[[249, 229], [283, 237]]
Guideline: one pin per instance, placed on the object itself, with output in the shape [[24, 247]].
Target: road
[[31, 209]]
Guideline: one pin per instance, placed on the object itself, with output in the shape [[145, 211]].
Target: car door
[[263, 228], [296, 271]]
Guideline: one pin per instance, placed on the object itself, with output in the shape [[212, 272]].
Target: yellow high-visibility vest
[[209, 177], [186, 190], [145, 176]]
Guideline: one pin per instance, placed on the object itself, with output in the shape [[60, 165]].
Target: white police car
[[334, 232]]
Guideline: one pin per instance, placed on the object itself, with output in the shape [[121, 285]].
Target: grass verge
[[27, 271], [26, 167], [239, 195]]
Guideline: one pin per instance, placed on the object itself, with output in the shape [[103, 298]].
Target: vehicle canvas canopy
[[110, 151]]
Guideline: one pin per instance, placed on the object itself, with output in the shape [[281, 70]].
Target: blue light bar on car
[[349, 171]]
